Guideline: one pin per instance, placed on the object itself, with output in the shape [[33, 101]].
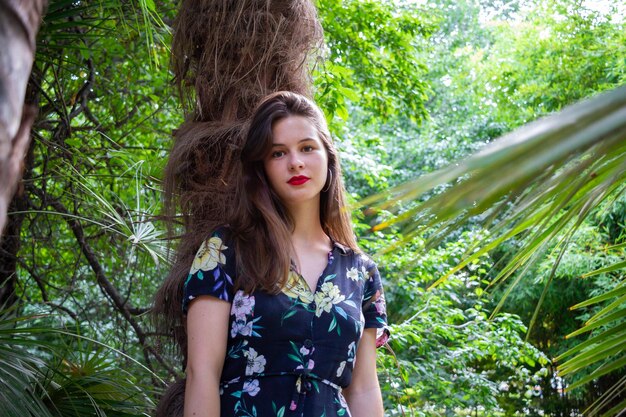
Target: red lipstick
[[298, 180]]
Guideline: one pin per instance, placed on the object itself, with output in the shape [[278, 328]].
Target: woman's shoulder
[[222, 237], [213, 269]]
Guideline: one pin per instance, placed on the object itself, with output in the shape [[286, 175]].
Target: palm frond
[[19, 370], [134, 224], [49, 371]]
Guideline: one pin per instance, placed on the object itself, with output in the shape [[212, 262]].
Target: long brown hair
[[260, 223]]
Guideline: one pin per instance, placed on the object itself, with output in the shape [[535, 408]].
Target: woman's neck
[[310, 245], [307, 226]]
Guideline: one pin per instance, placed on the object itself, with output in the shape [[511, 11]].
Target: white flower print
[[361, 324], [255, 363], [241, 327], [342, 366], [304, 351], [353, 274], [209, 255], [364, 273], [351, 351], [251, 387], [328, 295], [242, 305], [334, 292]]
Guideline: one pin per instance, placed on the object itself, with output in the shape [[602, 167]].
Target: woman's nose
[[295, 162]]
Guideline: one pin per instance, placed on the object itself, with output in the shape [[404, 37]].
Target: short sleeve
[[212, 271], [374, 307]]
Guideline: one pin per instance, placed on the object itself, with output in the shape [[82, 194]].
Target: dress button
[[308, 343]]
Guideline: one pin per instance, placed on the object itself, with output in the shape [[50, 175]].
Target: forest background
[[409, 88]]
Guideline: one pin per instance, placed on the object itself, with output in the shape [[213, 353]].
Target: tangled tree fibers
[[226, 56]]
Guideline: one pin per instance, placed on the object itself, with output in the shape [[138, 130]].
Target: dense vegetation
[[408, 89]]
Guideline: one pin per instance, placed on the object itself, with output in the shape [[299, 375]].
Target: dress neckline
[[329, 261]]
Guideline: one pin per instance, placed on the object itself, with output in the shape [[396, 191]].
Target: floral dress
[[290, 354]]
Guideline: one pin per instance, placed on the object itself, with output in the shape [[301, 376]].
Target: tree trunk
[[9, 248], [19, 23]]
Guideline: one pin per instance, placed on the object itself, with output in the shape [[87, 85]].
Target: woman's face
[[297, 165]]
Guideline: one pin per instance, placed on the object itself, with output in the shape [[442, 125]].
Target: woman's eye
[[277, 154], [308, 148]]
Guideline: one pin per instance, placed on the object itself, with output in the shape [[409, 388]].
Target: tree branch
[[80, 100], [41, 283], [138, 311]]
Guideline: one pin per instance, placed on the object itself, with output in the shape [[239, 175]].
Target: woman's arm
[[363, 394], [207, 335]]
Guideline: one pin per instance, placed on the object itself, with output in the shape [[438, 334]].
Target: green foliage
[[373, 61], [489, 76], [612, 221], [50, 371], [558, 53], [87, 380], [449, 356], [19, 370], [91, 248]]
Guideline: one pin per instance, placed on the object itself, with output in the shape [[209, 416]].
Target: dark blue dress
[[290, 354]]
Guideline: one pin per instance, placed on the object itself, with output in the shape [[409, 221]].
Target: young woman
[[284, 312]]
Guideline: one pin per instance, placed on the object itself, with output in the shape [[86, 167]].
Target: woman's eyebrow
[[300, 141]]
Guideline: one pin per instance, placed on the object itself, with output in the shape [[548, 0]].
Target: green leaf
[[611, 268], [602, 370], [619, 291], [150, 5]]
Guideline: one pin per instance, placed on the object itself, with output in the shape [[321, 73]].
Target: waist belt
[[304, 384]]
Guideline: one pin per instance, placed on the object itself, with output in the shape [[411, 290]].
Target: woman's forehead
[[294, 129]]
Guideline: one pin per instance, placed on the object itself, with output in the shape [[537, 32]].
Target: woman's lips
[[299, 180]]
